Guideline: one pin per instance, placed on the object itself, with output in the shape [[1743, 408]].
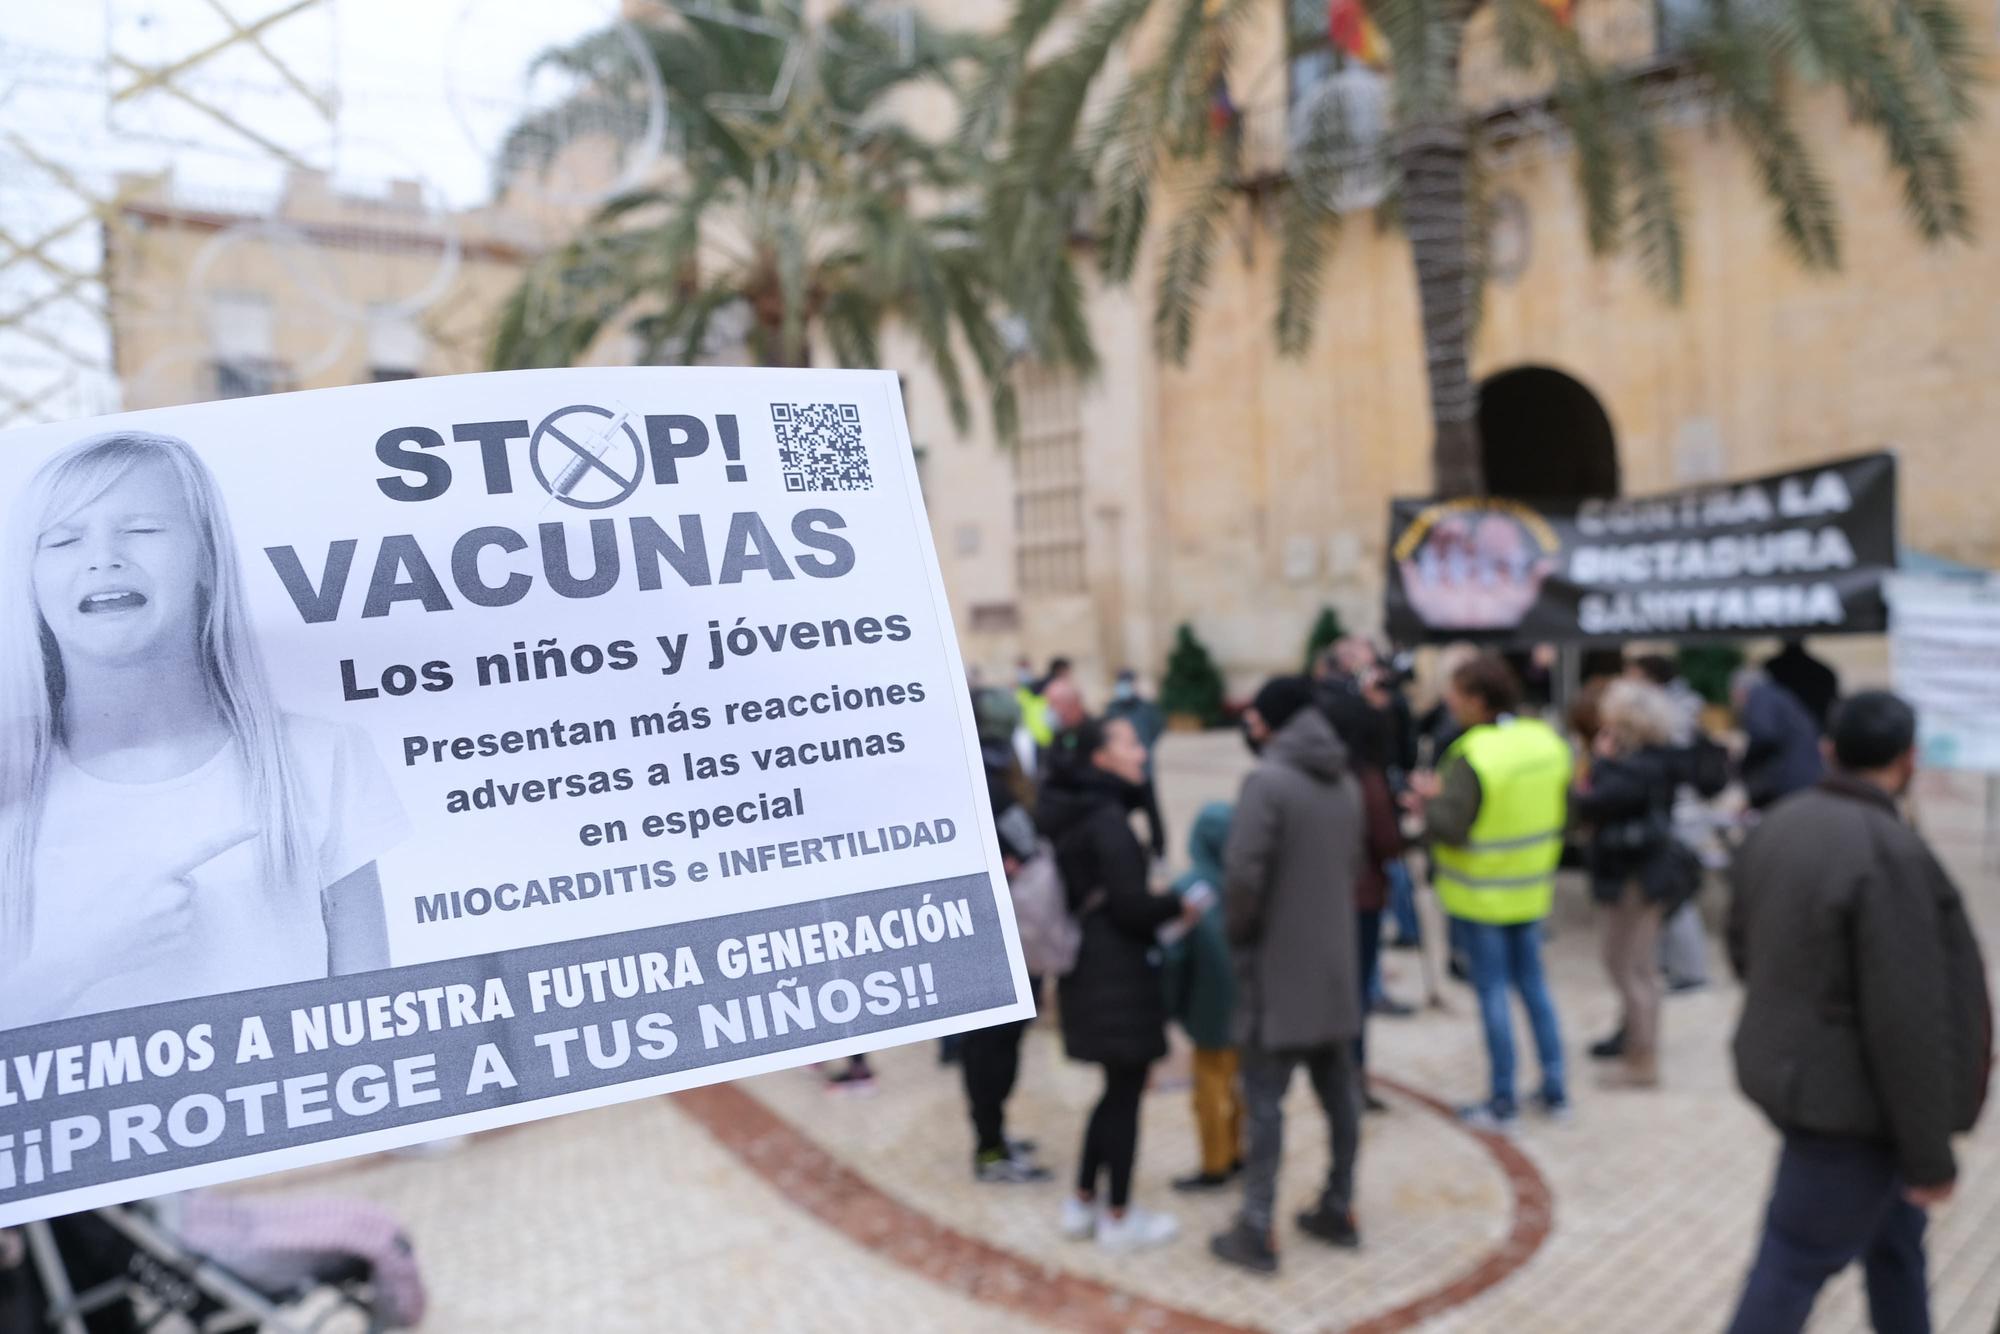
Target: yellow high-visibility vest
[[1035, 715], [1504, 872]]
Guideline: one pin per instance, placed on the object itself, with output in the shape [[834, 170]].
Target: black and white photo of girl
[[165, 830]]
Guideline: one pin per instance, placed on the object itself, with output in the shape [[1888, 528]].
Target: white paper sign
[[1944, 645], [386, 763]]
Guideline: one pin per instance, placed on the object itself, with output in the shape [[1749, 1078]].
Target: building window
[[995, 618], [240, 331], [1336, 113], [1048, 483], [396, 345], [1675, 22], [247, 377]]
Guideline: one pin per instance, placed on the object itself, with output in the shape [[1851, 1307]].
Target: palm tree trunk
[[1434, 157], [770, 347]]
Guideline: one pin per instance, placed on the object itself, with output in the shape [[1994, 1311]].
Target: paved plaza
[[771, 1205]]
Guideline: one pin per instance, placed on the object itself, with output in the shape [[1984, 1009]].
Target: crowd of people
[[1865, 1032]]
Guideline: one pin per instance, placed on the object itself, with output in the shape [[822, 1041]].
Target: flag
[[1223, 113], [1351, 30]]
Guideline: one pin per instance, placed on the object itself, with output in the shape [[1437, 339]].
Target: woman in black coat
[[1113, 1009], [1636, 865]]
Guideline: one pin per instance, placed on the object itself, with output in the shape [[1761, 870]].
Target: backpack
[[1050, 934]]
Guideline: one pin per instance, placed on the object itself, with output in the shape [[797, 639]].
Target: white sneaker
[[1138, 1229], [1079, 1219]]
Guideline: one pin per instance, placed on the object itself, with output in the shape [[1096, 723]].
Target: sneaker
[[1079, 1218], [1021, 1148], [1138, 1229], [1486, 1119], [1557, 1110], [1333, 1226], [1246, 1248], [1202, 1181], [1610, 1049], [1388, 1007], [1687, 986], [996, 1167]]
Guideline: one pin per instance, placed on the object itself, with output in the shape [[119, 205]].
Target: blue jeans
[[1836, 1201], [1511, 956], [1368, 930], [1403, 902]]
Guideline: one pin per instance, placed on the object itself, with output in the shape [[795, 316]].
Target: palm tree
[[794, 202], [1905, 67]]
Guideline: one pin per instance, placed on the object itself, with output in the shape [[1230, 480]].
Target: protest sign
[[1796, 553], [1944, 653], [387, 763]]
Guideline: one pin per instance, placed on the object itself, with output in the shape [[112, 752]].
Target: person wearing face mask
[[1113, 1006], [1867, 1031]]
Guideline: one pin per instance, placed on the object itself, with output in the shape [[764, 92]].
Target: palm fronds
[[797, 205]]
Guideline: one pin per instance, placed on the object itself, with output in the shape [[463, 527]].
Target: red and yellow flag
[[1350, 29]]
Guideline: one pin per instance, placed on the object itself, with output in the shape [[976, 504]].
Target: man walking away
[[1866, 1033], [1494, 816], [1288, 899]]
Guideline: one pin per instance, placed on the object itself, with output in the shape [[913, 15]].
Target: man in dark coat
[[1781, 741], [1295, 848], [1811, 682], [1866, 1034]]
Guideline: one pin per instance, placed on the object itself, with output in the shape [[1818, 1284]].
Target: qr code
[[820, 448]]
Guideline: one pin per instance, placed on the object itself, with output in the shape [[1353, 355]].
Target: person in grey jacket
[[1295, 848], [1867, 1031]]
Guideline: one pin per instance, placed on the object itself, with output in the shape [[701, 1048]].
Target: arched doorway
[[1544, 435]]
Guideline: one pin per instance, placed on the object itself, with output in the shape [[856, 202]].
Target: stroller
[[212, 1264]]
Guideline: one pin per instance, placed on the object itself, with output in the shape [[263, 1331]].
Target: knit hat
[[1281, 699]]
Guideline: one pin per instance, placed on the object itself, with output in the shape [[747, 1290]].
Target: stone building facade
[[1242, 492], [325, 285]]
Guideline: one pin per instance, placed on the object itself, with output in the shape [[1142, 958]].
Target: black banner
[[1795, 553]]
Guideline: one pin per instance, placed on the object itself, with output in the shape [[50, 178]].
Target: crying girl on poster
[[165, 831]]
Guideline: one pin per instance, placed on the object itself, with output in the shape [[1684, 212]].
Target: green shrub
[[1193, 684], [1326, 632]]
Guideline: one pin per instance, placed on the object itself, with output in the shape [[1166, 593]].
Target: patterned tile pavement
[[771, 1205]]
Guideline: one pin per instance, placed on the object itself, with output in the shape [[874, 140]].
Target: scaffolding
[[165, 164]]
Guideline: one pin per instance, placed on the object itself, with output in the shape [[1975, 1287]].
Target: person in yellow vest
[[1494, 814], [1030, 693]]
